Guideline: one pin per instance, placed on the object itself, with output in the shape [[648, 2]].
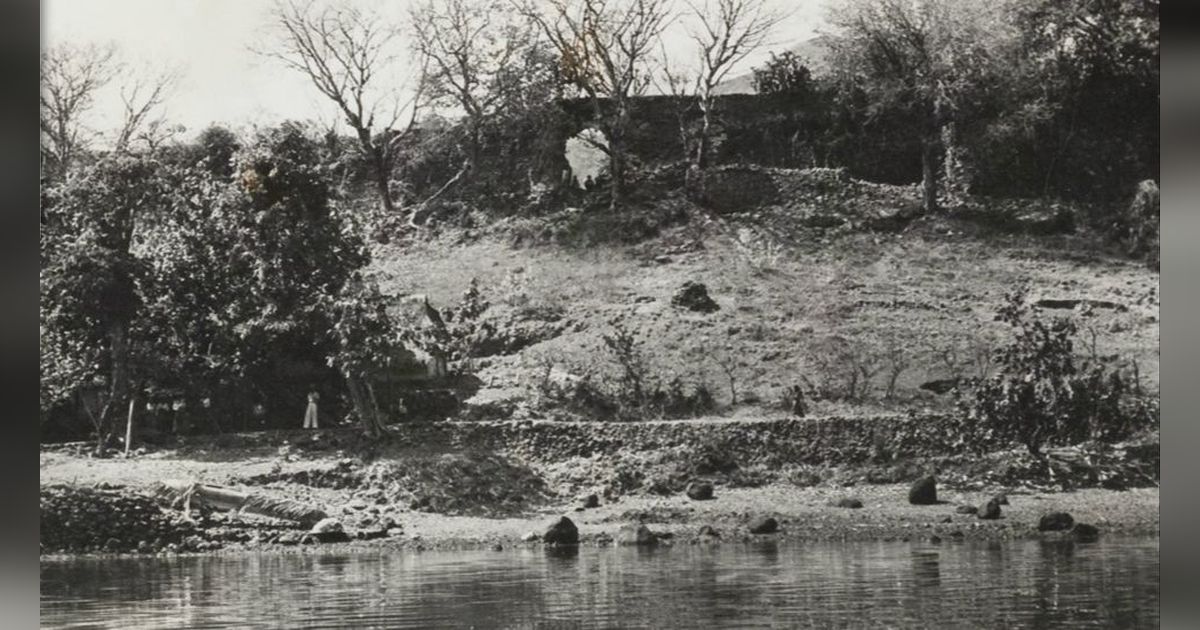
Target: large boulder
[[327, 526], [990, 511], [699, 491], [329, 530], [639, 535], [764, 525], [1055, 522], [923, 491], [693, 296], [561, 532], [590, 501]]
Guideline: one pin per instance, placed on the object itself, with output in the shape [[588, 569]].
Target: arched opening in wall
[[587, 160]]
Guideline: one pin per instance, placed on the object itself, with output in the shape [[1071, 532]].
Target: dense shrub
[[1043, 393]]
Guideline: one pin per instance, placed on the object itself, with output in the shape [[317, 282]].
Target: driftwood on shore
[[182, 494]]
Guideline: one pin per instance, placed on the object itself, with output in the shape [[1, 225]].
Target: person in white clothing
[[310, 414]]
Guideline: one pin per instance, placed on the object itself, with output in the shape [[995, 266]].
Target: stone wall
[[833, 440]]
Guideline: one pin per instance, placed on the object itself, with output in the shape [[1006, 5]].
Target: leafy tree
[[176, 277], [366, 341], [1081, 117], [218, 145], [245, 273], [93, 305], [783, 74], [932, 58]]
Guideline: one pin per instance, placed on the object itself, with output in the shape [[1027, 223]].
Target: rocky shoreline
[[799, 515], [500, 485]]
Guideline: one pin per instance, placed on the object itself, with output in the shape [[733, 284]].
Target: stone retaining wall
[[833, 440]]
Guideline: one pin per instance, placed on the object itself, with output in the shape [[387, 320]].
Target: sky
[[210, 43]]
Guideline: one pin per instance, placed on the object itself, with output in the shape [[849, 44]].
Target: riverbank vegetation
[[839, 249]]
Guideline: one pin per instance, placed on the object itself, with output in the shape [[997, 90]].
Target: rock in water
[[848, 502], [966, 509], [707, 531], [1055, 521], [923, 491], [1085, 533], [561, 532], [766, 525], [700, 491], [636, 535], [693, 296], [990, 511], [531, 537]]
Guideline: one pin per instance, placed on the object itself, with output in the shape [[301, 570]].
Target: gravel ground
[[803, 513]]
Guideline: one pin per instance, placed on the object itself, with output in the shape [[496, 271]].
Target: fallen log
[[181, 495]]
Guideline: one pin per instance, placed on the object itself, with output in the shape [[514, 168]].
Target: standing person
[[310, 414]]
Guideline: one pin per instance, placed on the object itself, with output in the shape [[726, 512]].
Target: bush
[[1043, 393], [624, 389]]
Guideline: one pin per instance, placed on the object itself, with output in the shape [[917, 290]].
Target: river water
[[1031, 584]]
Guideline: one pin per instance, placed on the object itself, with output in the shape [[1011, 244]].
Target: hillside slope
[[802, 301]]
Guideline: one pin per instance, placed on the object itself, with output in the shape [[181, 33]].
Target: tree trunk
[[616, 168], [702, 140], [183, 493], [929, 175], [618, 156], [379, 167], [129, 425], [364, 405], [118, 385], [381, 184], [475, 148]]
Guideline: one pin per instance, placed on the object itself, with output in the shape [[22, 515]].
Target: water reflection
[[1112, 583], [925, 569]]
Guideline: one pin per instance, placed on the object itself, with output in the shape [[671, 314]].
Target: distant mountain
[[814, 52]]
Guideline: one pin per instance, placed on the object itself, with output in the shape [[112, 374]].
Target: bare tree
[[605, 48], [71, 77], [143, 97], [345, 53], [471, 45], [679, 82], [725, 33]]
